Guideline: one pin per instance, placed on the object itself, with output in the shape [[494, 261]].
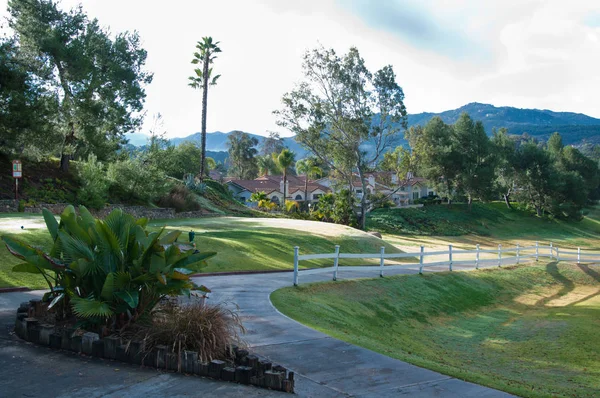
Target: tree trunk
[[363, 200], [506, 197], [470, 203], [65, 158], [538, 211], [284, 187], [306, 192], [204, 103]]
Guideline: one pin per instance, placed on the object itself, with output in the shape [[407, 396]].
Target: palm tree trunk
[[204, 103], [284, 187], [306, 191]]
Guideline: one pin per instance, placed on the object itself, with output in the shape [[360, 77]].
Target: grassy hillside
[[528, 330], [242, 244], [488, 222]]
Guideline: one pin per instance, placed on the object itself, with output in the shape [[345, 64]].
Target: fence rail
[[539, 251]]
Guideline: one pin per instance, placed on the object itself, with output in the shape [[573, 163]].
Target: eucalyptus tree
[[98, 77], [242, 152], [339, 108], [202, 79], [284, 161]]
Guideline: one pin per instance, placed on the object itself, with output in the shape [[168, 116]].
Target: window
[[415, 195], [317, 196], [274, 199], [359, 191], [403, 189], [298, 197]]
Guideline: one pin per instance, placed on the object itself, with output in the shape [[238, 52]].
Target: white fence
[[518, 254]]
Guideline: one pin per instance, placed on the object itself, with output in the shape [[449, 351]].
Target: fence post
[[499, 255], [551, 251], [381, 262], [421, 260], [518, 253], [477, 258], [537, 251], [335, 262], [296, 248], [557, 255], [450, 256], [579, 255]]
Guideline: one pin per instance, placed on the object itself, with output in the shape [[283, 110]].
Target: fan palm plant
[[109, 272]]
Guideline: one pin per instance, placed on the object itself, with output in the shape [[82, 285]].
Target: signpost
[[17, 171]]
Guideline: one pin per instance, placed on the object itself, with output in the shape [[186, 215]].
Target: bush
[[110, 272], [291, 206], [209, 330], [180, 198], [134, 180], [94, 184], [343, 208]]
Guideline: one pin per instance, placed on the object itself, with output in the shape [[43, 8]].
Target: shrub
[[133, 180], [343, 208], [291, 206], [180, 198], [209, 330], [110, 272], [94, 184]]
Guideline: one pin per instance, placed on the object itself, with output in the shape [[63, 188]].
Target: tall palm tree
[[205, 56], [285, 160], [309, 167]]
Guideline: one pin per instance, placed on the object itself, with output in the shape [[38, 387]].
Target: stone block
[[136, 352], [76, 343], [241, 353], [263, 366], [33, 333], [98, 348], [279, 368], [252, 361], [66, 338], [287, 386], [110, 346], [273, 380], [21, 327], [149, 359], [172, 361], [189, 359], [228, 374], [161, 356], [258, 381], [243, 374], [121, 353], [45, 332], [22, 315], [23, 307], [56, 340], [87, 342], [215, 368], [202, 368], [30, 324]]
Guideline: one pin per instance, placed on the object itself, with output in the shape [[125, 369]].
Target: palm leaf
[[56, 300], [131, 297], [169, 238], [26, 267], [51, 223], [109, 287], [193, 259], [90, 308], [75, 248]]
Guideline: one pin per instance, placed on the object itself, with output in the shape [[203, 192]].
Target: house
[[273, 187]]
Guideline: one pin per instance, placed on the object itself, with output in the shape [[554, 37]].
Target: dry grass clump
[[209, 330]]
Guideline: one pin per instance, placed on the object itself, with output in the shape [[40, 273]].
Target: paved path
[[327, 366]]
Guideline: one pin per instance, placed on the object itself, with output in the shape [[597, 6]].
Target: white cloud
[[528, 53]]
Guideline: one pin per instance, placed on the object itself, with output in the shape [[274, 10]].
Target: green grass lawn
[[489, 223], [528, 330], [242, 244]]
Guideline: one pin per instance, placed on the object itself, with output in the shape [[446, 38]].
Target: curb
[[241, 273], [14, 289]]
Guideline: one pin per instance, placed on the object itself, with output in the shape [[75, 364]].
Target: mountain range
[[575, 128]]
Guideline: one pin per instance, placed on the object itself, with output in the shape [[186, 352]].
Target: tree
[[476, 172], [99, 80], [310, 168], [438, 157], [26, 107], [341, 106], [202, 79], [242, 154], [266, 165], [284, 161], [555, 145], [504, 149], [272, 144]]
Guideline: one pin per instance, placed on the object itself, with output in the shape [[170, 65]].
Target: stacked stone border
[[246, 368]]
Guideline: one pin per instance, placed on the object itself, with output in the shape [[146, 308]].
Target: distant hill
[[575, 128]]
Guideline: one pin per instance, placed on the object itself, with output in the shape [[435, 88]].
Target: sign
[[17, 170]]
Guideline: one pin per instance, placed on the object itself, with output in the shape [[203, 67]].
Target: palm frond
[[90, 308]]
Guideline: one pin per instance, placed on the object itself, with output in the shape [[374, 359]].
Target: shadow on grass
[[568, 285]]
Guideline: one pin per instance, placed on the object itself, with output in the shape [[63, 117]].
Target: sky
[[446, 53]]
